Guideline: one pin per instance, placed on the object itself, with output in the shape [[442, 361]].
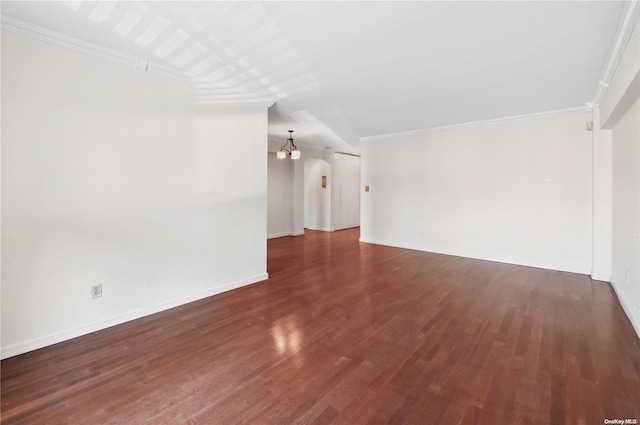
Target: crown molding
[[44, 34], [37, 32], [476, 123], [626, 27]]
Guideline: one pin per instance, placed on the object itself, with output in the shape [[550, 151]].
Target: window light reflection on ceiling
[[188, 55], [221, 73], [131, 19], [74, 5], [101, 11], [171, 44], [243, 63], [240, 52], [179, 8], [202, 66], [244, 19], [153, 31]]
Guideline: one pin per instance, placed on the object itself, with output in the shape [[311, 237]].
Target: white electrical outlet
[[96, 290]]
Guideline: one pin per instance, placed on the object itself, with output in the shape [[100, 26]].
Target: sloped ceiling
[[341, 71]]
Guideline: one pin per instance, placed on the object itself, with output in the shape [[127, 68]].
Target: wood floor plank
[[350, 333]]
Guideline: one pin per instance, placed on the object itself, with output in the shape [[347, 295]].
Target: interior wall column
[[602, 200], [297, 197], [329, 156]]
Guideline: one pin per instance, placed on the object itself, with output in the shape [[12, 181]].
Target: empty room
[[294, 212]]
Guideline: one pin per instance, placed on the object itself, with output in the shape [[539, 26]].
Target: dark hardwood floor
[[349, 333]]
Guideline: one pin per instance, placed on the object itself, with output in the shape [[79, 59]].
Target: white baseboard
[[537, 265], [634, 322], [627, 310], [321, 229], [601, 277], [36, 343], [282, 235], [278, 235]]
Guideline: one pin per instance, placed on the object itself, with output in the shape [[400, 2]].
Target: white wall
[[620, 112], [297, 202], [626, 212], [513, 191], [279, 197], [115, 176], [602, 198], [346, 191], [317, 200], [285, 195], [624, 88]]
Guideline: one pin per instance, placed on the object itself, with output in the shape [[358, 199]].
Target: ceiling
[[340, 71]]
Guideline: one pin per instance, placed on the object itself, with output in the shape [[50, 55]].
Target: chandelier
[[291, 150]]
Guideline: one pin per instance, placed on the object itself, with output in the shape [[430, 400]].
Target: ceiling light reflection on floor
[[286, 342]]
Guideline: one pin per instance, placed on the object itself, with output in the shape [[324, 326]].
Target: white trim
[[627, 25], [284, 234], [43, 34], [545, 266], [279, 235], [475, 123], [321, 229], [234, 96], [36, 343], [627, 309], [601, 277]]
